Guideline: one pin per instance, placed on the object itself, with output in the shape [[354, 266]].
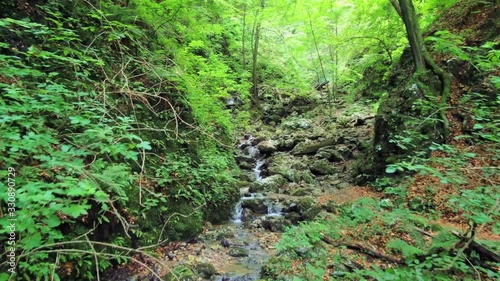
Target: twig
[[424, 232], [95, 257]]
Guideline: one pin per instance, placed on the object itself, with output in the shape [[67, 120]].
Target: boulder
[[256, 205], [291, 168], [266, 147], [297, 176], [322, 167], [286, 143], [326, 152], [295, 123], [275, 223], [238, 252], [300, 192], [306, 208], [257, 139], [243, 158], [246, 166], [269, 184], [341, 153], [314, 146], [336, 153], [205, 270]]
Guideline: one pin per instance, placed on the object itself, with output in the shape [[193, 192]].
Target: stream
[[248, 268]]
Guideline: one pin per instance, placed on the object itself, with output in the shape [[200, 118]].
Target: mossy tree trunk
[[421, 57], [413, 32], [398, 114]]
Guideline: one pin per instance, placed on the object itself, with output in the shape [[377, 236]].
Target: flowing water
[[248, 268]]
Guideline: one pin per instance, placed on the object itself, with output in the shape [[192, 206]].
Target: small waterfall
[[274, 210], [238, 214], [258, 169], [252, 151]]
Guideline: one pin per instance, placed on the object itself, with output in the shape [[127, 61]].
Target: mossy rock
[[205, 270], [188, 222], [305, 203], [311, 213], [307, 208], [238, 252], [219, 209], [270, 184], [257, 205], [300, 192], [293, 175], [322, 167], [182, 273]]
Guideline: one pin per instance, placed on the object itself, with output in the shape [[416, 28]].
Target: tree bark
[[255, 55], [421, 56], [255, 76], [396, 6], [243, 56], [414, 35]]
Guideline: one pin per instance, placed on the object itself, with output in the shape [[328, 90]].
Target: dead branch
[[484, 253], [360, 248]]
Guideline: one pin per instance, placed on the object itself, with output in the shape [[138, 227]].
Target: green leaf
[[79, 120], [32, 241], [145, 144], [101, 196], [52, 221], [85, 187], [75, 210], [478, 127], [481, 218], [391, 169]]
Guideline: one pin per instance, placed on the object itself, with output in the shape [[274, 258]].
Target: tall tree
[[407, 13], [255, 54], [421, 56], [244, 27]]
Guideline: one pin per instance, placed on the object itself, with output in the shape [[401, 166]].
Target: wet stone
[[238, 252]]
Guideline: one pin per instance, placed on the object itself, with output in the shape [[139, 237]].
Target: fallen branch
[[360, 248], [361, 121], [426, 233], [484, 253]]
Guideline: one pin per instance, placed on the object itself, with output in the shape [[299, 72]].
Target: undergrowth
[[112, 127], [402, 236]]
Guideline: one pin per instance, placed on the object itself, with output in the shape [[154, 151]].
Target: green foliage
[[474, 197], [407, 250], [446, 42], [106, 118], [301, 240]]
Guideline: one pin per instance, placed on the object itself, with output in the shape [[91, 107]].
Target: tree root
[[445, 92], [360, 248]]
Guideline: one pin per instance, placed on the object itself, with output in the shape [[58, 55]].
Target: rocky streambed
[[293, 171]]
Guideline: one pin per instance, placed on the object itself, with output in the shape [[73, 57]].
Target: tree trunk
[[414, 35], [255, 54], [396, 6], [255, 76], [421, 57], [243, 56]]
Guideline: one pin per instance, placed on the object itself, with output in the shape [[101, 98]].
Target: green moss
[[182, 273], [185, 222]]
